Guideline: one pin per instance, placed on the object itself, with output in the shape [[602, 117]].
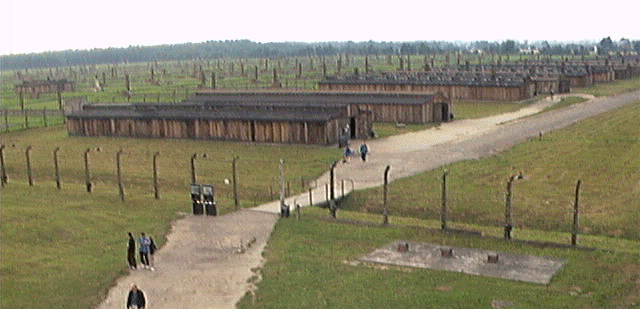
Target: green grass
[[609, 89], [564, 102], [313, 264], [601, 151], [389, 129], [64, 249]]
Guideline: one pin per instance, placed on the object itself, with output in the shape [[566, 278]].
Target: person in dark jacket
[[136, 298], [131, 252]]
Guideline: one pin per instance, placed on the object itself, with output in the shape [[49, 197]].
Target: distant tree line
[[250, 49]]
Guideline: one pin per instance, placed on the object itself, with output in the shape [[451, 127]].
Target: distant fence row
[[18, 119]]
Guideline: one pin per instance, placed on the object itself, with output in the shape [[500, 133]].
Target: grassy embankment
[[601, 151], [312, 263]]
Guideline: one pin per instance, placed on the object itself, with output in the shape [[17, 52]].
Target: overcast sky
[[38, 25]]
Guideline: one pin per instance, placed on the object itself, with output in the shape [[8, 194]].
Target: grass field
[[64, 248], [609, 89], [312, 263], [601, 151]]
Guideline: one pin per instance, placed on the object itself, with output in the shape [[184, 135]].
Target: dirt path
[[204, 266]]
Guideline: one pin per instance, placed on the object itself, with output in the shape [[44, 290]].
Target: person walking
[[145, 243], [131, 252], [136, 299], [364, 151]]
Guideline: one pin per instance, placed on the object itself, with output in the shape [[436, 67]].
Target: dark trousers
[[144, 258], [364, 156], [131, 257]]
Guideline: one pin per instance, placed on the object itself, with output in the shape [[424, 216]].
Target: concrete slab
[[528, 268]]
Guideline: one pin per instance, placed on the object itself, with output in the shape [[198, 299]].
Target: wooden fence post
[[119, 174], [3, 169], [44, 116], [87, 173], [57, 168], [445, 210], [385, 210], [27, 154], [156, 192], [59, 100], [6, 120], [576, 223], [235, 181]]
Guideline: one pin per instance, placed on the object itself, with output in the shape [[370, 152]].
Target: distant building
[[35, 88], [264, 117]]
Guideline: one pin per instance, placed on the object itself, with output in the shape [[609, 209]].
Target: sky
[[38, 25]]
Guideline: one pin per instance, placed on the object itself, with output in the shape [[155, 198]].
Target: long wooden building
[[35, 88], [454, 86], [266, 124], [299, 118], [384, 107]]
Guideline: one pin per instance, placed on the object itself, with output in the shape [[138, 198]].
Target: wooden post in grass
[[3, 169], [27, 154], [255, 73], [26, 119], [385, 202], [57, 168], [235, 181], [331, 181], [59, 100], [87, 173], [213, 80], [366, 65], [156, 192], [6, 120], [576, 223], [119, 174], [44, 116], [21, 100], [445, 209], [282, 183], [127, 82], [310, 197]]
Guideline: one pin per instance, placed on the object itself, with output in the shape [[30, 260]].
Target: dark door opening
[[352, 127], [445, 112]]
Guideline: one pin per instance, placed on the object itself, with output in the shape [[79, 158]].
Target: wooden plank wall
[[239, 130], [453, 91]]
